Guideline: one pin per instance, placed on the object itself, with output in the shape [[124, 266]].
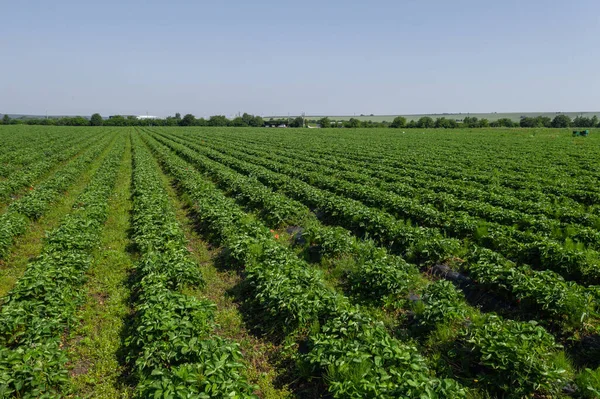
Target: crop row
[[544, 291], [171, 346], [379, 275], [37, 201], [42, 305], [572, 222], [572, 261], [25, 147], [488, 165], [47, 158], [356, 354], [437, 180]]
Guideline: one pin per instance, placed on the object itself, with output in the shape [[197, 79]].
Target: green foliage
[[582, 121], [289, 295], [523, 232], [38, 199], [561, 121], [96, 120], [441, 303], [471, 122], [256, 121], [362, 361], [514, 358], [352, 123], [443, 123], [398, 122], [538, 121], [42, 305], [302, 180], [503, 122], [217, 120], [188, 120], [325, 122], [171, 347], [297, 122], [541, 291], [425, 122], [588, 383]]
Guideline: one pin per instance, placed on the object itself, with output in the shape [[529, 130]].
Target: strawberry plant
[[43, 303]]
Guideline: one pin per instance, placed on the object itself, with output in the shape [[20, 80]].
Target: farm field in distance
[[491, 116], [196, 262]]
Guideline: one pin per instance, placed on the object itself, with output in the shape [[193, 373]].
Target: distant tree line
[[425, 122], [559, 121], [247, 120]]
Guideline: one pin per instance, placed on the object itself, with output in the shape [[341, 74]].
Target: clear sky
[[277, 57]]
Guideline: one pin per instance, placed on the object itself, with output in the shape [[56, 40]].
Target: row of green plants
[[28, 172], [494, 163], [36, 202], [353, 354], [566, 299], [572, 261], [172, 347], [40, 309], [536, 178], [572, 222], [388, 279], [26, 146], [565, 302]]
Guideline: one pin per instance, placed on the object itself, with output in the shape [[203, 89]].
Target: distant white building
[[139, 117]]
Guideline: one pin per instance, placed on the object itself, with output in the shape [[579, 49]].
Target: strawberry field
[[294, 263]]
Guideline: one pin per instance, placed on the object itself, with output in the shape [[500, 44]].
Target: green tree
[[257, 121], [352, 123], [425, 122], [484, 123], [96, 120], [399, 122], [442, 123], [188, 120], [595, 121], [470, 121], [505, 122], [527, 122], [238, 121], [218, 120], [561, 121], [543, 121], [132, 120], [411, 124], [5, 119], [48, 122], [582, 121], [247, 118], [446, 123], [74, 121], [324, 122], [171, 121], [115, 120], [177, 116], [297, 122]]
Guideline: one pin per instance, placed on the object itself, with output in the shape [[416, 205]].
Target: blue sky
[[279, 57]]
